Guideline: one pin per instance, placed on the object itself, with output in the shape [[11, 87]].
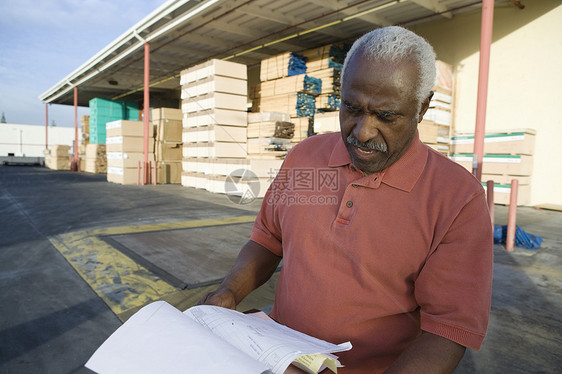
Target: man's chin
[[367, 166]]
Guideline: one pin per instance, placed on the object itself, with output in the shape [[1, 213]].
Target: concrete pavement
[[78, 255]]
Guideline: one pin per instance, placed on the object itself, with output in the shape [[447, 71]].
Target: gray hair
[[394, 44]]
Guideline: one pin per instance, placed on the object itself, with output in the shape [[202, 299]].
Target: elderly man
[[384, 242]]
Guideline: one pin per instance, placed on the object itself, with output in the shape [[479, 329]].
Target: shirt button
[[349, 204]]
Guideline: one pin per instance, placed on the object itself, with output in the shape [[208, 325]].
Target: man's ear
[[424, 106]]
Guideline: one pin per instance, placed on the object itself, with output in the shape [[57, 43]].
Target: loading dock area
[[59, 301]]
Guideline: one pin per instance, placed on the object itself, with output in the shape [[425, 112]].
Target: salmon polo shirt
[[375, 259]]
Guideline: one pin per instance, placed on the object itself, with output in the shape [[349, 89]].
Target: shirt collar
[[403, 174], [339, 156]]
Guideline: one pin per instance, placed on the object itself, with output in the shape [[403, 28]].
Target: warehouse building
[[189, 42]]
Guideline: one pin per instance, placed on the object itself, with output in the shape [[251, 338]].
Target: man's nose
[[366, 128]]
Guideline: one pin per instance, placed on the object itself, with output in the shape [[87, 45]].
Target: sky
[[43, 41]]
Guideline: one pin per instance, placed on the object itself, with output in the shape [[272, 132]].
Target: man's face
[[379, 113]]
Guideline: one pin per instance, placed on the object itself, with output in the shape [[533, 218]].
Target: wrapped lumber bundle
[[326, 63], [327, 122], [214, 107], [270, 124], [435, 129], [269, 134], [96, 159], [57, 157], [103, 111], [508, 155], [168, 144], [125, 149]]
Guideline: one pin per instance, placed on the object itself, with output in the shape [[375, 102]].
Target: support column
[[46, 127], [484, 69], [146, 106], [75, 164]]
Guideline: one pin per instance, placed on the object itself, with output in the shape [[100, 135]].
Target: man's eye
[[386, 116], [350, 108]]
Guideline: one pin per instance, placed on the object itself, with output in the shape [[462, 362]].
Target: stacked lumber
[[57, 157], [85, 129], [125, 150], [326, 63], [286, 87], [435, 129], [168, 144], [103, 111], [327, 122], [282, 86], [96, 159], [301, 129], [508, 155], [214, 104], [85, 140], [283, 65], [297, 104], [269, 134]]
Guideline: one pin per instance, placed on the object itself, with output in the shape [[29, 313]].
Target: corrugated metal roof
[[183, 33]]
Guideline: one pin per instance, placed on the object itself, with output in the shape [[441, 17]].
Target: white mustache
[[371, 144]]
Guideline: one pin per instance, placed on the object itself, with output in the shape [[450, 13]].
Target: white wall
[[524, 84], [29, 140]]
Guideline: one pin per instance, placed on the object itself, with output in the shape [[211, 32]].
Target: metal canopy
[[183, 33]]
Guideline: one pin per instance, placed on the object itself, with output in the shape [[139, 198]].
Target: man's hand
[[254, 266], [223, 297]]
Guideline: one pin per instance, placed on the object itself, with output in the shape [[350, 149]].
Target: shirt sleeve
[[454, 287], [266, 230], [267, 227]]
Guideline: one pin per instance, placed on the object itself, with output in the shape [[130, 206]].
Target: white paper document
[[208, 339]]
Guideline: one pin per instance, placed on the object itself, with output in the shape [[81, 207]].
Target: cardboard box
[[215, 117], [509, 142]]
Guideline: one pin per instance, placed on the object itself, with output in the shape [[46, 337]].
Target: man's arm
[[428, 353], [254, 266]]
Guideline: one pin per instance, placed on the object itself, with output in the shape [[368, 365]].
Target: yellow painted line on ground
[[118, 280]]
